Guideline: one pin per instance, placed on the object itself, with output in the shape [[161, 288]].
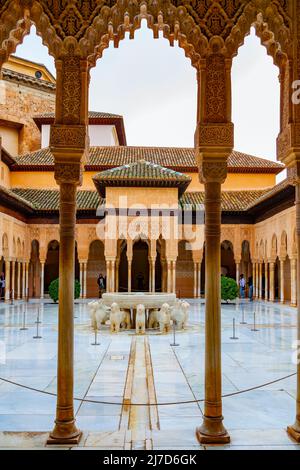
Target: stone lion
[[140, 320]]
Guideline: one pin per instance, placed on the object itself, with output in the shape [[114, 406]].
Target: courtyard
[[126, 369]]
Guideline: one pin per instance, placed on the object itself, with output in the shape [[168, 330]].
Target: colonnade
[[16, 279]]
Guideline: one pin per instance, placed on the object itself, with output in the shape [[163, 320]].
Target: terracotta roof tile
[[141, 173], [182, 159], [92, 114], [233, 201], [48, 199]]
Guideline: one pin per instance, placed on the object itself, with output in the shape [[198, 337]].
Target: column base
[[294, 432], [293, 304], [212, 431], [61, 435]]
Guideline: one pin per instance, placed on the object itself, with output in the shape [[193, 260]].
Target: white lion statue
[[154, 318], [165, 318], [117, 318], [140, 320], [99, 313], [179, 313]]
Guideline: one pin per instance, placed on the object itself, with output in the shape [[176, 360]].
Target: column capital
[[68, 173], [213, 170]]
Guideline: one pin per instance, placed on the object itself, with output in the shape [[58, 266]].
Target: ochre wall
[[10, 139], [234, 181], [4, 175]]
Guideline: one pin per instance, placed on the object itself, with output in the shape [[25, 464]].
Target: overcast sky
[[153, 86]]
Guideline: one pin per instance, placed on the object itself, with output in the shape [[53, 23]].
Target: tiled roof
[[92, 114], [181, 159], [233, 201], [141, 173], [27, 79], [48, 199]]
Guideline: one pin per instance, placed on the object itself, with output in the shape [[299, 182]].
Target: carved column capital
[[68, 173], [213, 171]]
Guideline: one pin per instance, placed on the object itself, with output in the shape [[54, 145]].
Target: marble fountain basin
[[132, 299]]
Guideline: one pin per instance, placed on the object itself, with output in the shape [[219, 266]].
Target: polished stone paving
[[254, 419]]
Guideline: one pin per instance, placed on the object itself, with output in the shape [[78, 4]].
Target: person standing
[[101, 281], [242, 285], [250, 285]]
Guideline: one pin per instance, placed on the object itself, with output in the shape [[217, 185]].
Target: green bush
[[229, 288], [54, 289]]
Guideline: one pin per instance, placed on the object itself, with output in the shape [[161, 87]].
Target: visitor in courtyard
[[242, 284], [250, 285], [101, 281], [2, 286]]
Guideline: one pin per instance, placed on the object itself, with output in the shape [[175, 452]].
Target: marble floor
[[254, 419]]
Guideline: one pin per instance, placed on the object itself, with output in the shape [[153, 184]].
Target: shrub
[[54, 289], [229, 288]]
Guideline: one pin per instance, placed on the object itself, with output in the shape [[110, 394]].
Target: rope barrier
[[86, 400]]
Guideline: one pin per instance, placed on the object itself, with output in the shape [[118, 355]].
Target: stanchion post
[[233, 330], [243, 322], [38, 317], [37, 336], [254, 322], [24, 321], [174, 336], [95, 343]]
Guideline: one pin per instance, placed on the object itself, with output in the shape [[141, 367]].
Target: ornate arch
[[274, 246], [283, 244]]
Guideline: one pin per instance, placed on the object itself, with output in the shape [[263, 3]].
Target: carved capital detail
[[75, 136], [213, 172], [68, 173], [212, 134]]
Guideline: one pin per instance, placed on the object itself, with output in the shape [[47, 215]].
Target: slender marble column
[[266, 280], [282, 261], [237, 268], [81, 278], [153, 275], [129, 261], [7, 279], [65, 430], [27, 279], [195, 279], [42, 278], [294, 430], [260, 268], [255, 279], [199, 281], [117, 276], [84, 279], [212, 429], [23, 280], [272, 285], [169, 280], [13, 275], [108, 276], [173, 273], [113, 272], [18, 280], [294, 282]]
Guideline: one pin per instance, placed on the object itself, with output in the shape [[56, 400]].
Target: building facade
[[140, 218]]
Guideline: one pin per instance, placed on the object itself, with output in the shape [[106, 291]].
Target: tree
[[229, 289], [54, 289]]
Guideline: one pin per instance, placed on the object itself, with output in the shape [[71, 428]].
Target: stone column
[[199, 281], [212, 429], [153, 275], [174, 276], [272, 285], [129, 262], [23, 280], [18, 280], [7, 279], [81, 278], [266, 280], [294, 430], [294, 282], [13, 276], [195, 279], [42, 278], [69, 145], [27, 279], [282, 261], [117, 276], [260, 267], [84, 279], [169, 277], [108, 276], [237, 268], [113, 272]]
